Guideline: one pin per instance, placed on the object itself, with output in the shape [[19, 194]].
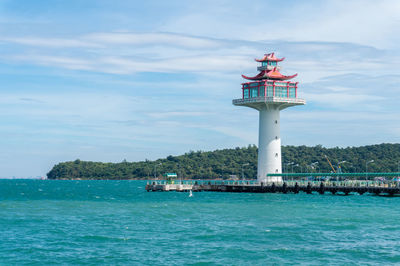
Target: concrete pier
[[165, 186], [389, 188]]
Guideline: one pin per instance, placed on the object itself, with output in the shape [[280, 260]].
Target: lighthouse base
[[270, 179]]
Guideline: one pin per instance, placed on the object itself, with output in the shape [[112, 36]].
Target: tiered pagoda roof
[[269, 72], [270, 57], [273, 74]]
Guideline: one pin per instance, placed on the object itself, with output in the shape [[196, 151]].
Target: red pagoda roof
[[270, 57], [270, 74]]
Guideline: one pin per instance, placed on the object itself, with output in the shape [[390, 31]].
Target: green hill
[[227, 162]]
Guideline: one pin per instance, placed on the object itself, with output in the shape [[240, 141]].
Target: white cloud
[[49, 42], [161, 39], [343, 100], [51, 60], [245, 135], [129, 54], [165, 115], [361, 21], [123, 65]]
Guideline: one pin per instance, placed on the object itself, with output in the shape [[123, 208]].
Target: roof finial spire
[[269, 69]]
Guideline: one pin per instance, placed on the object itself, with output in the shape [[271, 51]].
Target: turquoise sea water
[[119, 223]]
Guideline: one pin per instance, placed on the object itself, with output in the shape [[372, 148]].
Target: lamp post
[[339, 170], [313, 166], [398, 167], [398, 171], [339, 163], [366, 169], [301, 169], [287, 164], [245, 164], [292, 172], [352, 169], [155, 170], [178, 173]]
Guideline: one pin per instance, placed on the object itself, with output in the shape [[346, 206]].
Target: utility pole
[[245, 164], [366, 169]]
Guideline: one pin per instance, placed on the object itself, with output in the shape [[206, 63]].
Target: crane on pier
[[333, 168]]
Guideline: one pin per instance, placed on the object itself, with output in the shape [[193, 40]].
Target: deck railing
[[269, 99]]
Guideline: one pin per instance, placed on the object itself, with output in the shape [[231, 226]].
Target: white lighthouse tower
[[269, 92]]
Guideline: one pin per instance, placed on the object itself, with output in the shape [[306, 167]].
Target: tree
[[222, 163]]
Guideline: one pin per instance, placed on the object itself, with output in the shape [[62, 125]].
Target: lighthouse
[[269, 92]]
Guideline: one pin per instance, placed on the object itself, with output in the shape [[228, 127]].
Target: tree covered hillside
[[228, 162]]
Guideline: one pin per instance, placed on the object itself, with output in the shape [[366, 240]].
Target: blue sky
[[114, 80]]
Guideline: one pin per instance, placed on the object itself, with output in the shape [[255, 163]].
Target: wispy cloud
[[161, 39], [129, 53], [49, 42], [54, 61], [363, 22]]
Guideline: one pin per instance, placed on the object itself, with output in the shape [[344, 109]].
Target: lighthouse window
[[268, 63], [292, 93], [276, 137], [246, 93], [276, 121], [277, 91], [276, 154], [280, 91], [254, 92], [269, 91]]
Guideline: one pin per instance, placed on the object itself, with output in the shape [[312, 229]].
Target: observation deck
[[269, 92]]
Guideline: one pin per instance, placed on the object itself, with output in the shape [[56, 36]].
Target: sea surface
[[47, 222]]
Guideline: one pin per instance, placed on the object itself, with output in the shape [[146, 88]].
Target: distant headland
[[236, 163]]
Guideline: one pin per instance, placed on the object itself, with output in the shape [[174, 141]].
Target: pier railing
[[290, 183], [203, 182]]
